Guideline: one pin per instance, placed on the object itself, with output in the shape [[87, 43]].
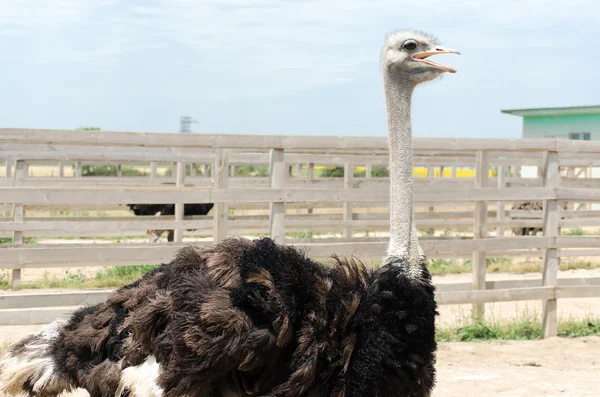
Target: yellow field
[[418, 172], [421, 172]]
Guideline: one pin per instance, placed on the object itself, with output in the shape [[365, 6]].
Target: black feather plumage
[[254, 318]]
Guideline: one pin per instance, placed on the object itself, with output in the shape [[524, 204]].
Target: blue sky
[[287, 67]]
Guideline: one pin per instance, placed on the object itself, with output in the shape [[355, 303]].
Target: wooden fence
[[475, 209]]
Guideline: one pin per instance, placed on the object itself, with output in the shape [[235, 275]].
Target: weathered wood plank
[[551, 258], [220, 181], [32, 316], [501, 295], [168, 194], [8, 135], [511, 284], [277, 208], [480, 232], [18, 212], [587, 291], [179, 207], [347, 211], [53, 299], [39, 256]]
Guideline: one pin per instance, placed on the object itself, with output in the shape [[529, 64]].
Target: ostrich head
[[406, 54]]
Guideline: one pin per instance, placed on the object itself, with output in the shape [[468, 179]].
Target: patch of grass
[[71, 280], [438, 267], [106, 278], [74, 278], [299, 235], [125, 272], [119, 276], [380, 171], [528, 327], [574, 232], [575, 264], [4, 279], [574, 328], [477, 331], [332, 172], [500, 265], [447, 233], [252, 170], [4, 346], [26, 240]]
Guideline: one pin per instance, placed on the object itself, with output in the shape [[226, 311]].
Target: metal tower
[[185, 124]]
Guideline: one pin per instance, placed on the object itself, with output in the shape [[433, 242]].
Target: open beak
[[422, 57]]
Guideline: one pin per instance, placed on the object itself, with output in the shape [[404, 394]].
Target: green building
[[579, 122]]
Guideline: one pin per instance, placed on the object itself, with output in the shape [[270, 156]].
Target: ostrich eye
[[410, 45]]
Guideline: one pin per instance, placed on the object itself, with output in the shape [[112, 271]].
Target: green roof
[[593, 109]]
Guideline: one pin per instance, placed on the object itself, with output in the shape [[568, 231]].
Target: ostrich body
[[168, 209], [255, 318]]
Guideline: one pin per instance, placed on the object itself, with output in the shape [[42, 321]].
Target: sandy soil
[[553, 367]]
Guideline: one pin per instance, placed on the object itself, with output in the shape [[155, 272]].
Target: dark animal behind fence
[[531, 206], [166, 210]]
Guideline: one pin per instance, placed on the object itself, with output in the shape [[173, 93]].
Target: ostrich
[[256, 318], [168, 209], [528, 206], [531, 206]]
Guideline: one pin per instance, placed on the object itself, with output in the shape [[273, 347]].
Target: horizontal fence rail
[[285, 187]]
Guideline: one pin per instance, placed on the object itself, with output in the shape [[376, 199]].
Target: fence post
[[8, 171], [500, 215], [18, 217], [348, 175], [277, 209], [220, 181], [368, 171], [153, 171], [78, 174], [551, 259], [179, 207], [119, 171], [310, 176], [479, 232], [193, 170], [571, 174], [430, 176], [8, 168]]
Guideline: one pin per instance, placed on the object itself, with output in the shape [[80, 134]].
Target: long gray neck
[[404, 245]]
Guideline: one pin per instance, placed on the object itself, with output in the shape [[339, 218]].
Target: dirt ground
[[552, 367]]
